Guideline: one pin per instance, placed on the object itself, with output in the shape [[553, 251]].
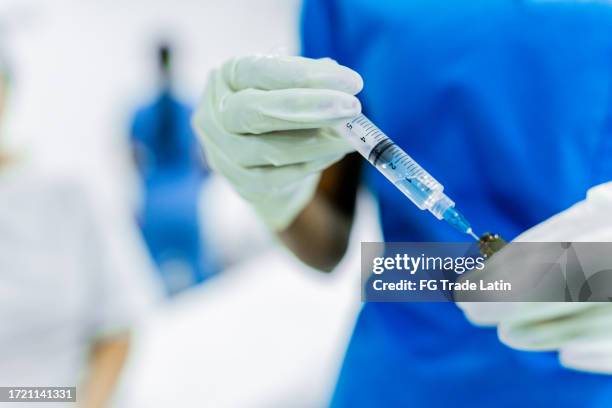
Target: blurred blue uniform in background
[[171, 165], [508, 104]]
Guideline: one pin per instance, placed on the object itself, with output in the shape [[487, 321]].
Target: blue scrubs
[[173, 178], [508, 103]]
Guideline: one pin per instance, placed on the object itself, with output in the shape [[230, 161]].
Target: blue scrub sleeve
[[317, 38]]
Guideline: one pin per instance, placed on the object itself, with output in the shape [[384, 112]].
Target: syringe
[[401, 170]]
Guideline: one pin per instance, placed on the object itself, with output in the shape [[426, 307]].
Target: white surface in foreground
[[267, 333]]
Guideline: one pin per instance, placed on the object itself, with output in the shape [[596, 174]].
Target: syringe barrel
[[395, 164]]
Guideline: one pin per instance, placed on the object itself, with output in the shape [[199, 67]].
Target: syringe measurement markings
[[378, 150], [412, 169], [401, 169], [410, 166]]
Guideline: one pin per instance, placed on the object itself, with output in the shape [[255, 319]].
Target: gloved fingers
[[254, 111], [601, 195], [277, 148], [327, 59], [282, 176], [527, 313], [493, 313], [552, 332], [296, 146], [283, 148], [518, 313], [530, 268], [278, 169], [592, 355], [282, 72], [263, 179], [515, 261], [548, 231], [581, 222], [486, 313]]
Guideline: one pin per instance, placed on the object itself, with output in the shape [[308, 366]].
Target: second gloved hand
[[580, 332], [264, 123]]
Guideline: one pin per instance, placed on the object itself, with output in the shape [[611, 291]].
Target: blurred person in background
[[516, 95], [74, 278], [170, 162]]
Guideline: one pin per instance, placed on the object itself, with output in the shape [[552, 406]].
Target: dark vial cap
[[490, 243]]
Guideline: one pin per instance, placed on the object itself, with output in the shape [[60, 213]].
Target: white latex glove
[[580, 332], [264, 122]]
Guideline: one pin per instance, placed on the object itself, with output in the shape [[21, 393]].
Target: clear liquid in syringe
[[403, 171]]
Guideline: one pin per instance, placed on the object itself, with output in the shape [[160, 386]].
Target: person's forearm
[[319, 236], [107, 359]]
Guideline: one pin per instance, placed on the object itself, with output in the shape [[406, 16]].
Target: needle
[[471, 233]]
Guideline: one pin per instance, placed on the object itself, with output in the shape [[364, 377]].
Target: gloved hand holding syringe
[[272, 124], [401, 170]]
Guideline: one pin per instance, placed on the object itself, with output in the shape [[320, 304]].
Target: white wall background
[[81, 66], [269, 333]]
